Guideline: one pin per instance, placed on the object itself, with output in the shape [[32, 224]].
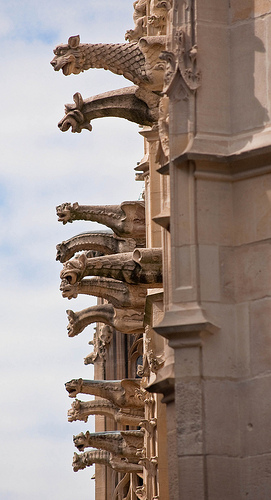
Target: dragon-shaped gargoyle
[[80, 410], [127, 220], [121, 295], [118, 464], [141, 267], [101, 241], [137, 61], [127, 321], [122, 393], [120, 443]]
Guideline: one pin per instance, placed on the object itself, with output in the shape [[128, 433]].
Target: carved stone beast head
[[68, 57]]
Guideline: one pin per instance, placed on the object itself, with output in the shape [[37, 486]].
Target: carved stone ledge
[[103, 242], [127, 220], [141, 267], [184, 326], [125, 393]]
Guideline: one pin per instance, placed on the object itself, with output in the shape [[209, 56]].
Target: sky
[[41, 168]]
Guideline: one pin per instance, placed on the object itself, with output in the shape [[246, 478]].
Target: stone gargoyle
[[101, 241], [137, 61], [121, 443], [127, 321], [118, 464], [131, 103], [127, 220], [80, 410], [125, 393], [143, 266], [116, 292]]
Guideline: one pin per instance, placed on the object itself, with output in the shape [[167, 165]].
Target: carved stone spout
[[141, 267], [120, 443], [127, 220], [120, 294], [80, 410], [122, 393], [88, 458], [129, 103], [137, 61], [103, 242], [126, 321]]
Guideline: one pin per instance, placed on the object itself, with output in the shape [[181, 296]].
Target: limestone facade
[[183, 280]]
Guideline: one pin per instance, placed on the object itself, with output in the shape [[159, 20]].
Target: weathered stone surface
[[103, 242], [124, 320], [127, 220], [141, 267]]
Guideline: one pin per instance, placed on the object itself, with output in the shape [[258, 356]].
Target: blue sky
[[42, 167]]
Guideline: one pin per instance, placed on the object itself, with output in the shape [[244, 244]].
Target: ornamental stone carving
[[120, 443], [137, 61], [103, 242], [118, 464], [122, 393], [130, 103], [127, 321], [141, 267], [116, 292], [80, 410], [127, 220]]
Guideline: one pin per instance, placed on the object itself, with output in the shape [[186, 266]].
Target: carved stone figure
[[80, 410], [118, 464], [127, 220], [143, 267], [122, 393], [116, 292], [103, 242], [137, 61], [127, 321], [131, 103], [120, 443]]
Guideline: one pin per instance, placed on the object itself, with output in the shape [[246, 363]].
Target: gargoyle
[[127, 321], [118, 464], [137, 61], [121, 295], [131, 103], [121, 443], [122, 393], [127, 220], [103, 242], [141, 267], [80, 410]]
